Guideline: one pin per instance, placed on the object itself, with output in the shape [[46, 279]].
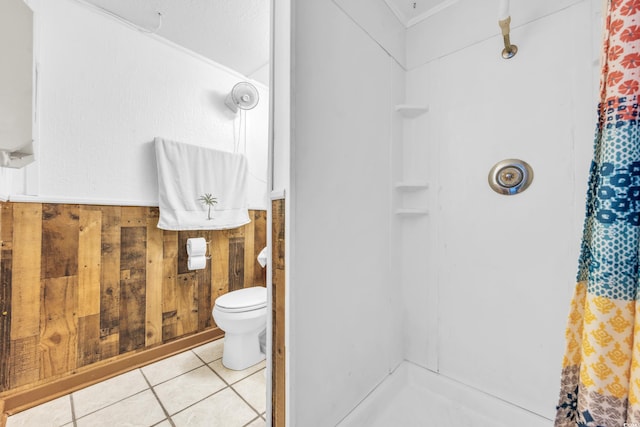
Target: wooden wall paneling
[[236, 263], [154, 279], [25, 274], [205, 319], [89, 254], [134, 216], [187, 284], [59, 240], [6, 237], [260, 241], [25, 293], [133, 260], [204, 286], [110, 282], [278, 311], [88, 340], [89, 268], [58, 326], [187, 303], [24, 361], [79, 285], [248, 251], [181, 250], [169, 284], [219, 262]]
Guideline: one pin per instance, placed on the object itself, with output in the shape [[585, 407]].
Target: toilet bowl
[[242, 315]]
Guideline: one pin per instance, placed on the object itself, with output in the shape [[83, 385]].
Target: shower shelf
[[411, 186], [411, 111], [412, 212]]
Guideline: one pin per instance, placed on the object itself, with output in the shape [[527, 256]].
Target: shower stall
[[416, 293]]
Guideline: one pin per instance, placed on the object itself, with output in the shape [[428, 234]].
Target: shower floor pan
[[415, 397]]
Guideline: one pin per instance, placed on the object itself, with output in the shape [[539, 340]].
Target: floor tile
[[231, 376], [180, 392], [223, 409], [210, 351], [196, 398], [253, 390], [258, 422], [171, 367], [54, 413], [107, 392], [141, 409]]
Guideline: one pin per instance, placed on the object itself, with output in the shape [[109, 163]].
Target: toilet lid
[[247, 298]]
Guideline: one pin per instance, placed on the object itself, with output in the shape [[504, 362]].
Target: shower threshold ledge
[[414, 396]]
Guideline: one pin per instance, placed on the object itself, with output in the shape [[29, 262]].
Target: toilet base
[[241, 351]]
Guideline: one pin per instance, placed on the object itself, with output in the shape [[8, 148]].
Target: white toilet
[[242, 315]]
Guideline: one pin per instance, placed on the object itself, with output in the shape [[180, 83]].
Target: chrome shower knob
[[510, 176]]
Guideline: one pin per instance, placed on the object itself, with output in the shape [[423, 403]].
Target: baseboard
[[12, 402]]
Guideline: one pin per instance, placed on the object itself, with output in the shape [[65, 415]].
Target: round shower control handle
[[510, 176]]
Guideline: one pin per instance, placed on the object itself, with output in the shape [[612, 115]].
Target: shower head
[[509, 50], [504, 21]]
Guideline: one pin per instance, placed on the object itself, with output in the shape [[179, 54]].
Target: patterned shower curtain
[[600, 384]]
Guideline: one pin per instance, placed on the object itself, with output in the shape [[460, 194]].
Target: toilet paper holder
[[198, 247]]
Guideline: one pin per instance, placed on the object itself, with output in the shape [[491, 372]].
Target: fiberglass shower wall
[[500, 269], [479, 289]]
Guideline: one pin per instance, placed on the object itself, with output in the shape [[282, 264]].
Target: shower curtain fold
[[600, 384]]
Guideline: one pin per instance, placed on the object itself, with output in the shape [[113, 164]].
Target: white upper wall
[[106, 90]]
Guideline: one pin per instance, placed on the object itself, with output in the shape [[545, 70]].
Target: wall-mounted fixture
[[197, 253], [16, 84], [243, 96], [510, 176], [504, 21]]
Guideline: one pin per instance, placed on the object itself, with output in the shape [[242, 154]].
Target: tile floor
[[191, 389]]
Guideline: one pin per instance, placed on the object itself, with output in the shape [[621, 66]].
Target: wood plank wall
[[278, 312], [82, 283]]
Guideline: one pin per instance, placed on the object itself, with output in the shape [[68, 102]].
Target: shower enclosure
[[408, 275]]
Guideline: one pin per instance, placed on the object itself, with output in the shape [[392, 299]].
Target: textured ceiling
[[234, 33]]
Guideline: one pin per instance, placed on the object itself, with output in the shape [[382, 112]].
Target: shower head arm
[[509, 50]]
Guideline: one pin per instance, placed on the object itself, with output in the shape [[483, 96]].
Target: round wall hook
[[510, 176]]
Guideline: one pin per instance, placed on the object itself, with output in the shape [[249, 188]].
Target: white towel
[[188, 172]]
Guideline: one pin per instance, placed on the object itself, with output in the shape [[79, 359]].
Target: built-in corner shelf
[[411, 111], [412, 212], [411, 186]]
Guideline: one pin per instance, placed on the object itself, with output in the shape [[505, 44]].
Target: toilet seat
[[241, 300]]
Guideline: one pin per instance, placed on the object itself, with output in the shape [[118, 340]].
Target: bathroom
[[91, 286], [450, 278]]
